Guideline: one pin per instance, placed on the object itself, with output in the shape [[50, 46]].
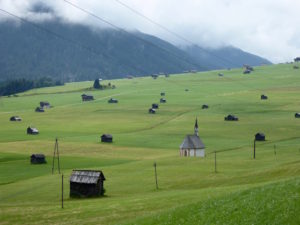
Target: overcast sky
[[269, 28]]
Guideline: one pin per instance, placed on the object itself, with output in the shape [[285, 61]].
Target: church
[[192, 145]]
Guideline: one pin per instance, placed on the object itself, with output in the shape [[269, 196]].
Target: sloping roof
[[41, 156], [260, 134], [86, 176], [107, 135], [192, 142]]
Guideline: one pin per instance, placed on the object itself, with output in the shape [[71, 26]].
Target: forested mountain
[[73, 52]]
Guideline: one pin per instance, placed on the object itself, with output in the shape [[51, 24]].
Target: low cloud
[[268, 28]]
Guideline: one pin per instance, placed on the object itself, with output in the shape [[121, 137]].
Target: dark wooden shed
[[260, 137], [112, 100], [39, 109], [87, 97], [86, 183], [231, 118], [15, 118], [107, 138], [152, 111], [204, 106], [297, 115], [32, 130], [155, 106], [163, 100], [37, 159], [247, 71], [162, 94], [263, 97]]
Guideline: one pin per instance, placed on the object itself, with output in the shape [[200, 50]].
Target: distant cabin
[[39, 109], [112, 100], [152, 111], [87, 97], [108, 138], [45, 105], [154, 76], [167, 75], [297, 59], [86, 183], [162, 94], [247, 71], [263, 97], [296, 67], [221, 74], [15, 118], [204, 106], [32, 130], [260, 137], [297, 115], [247, 67], [231, 118], [155, 106], [37, 159], [192, 145], [163, 100]]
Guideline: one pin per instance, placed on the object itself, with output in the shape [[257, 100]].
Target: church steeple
[[196, 127]]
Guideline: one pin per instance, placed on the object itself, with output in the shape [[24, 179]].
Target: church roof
[[192, 142]]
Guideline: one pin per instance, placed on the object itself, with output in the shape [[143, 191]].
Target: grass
[[243, 191]]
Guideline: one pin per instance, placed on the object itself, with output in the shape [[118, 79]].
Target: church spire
[[196, 127]]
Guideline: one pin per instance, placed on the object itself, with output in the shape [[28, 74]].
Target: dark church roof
[[192, 142], [86, 176]]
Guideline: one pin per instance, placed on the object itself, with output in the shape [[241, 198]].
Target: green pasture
[[241, 191]]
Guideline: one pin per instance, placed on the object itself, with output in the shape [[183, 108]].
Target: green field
[[243, 191]]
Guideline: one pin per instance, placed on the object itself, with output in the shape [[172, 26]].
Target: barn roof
[[40, 156], [192, 142], [86, 176], [107, 135], [260, 134]]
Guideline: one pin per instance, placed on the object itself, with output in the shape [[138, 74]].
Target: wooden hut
[[37, 159], [39, 109], [86, 183], [15, 118], [260, 137], [162, 94], [152, 111], [45, 105], [246, 71], [263, 97], [231, 118], [112, 100], [204, 106], [297, 115], [32, 130], [155, 106], [192, 145], [107, 138], [163, 100], [87, 97], [221, 74]]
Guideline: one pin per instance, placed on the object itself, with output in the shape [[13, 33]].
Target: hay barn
[[107, 138], [87, 97], [152, 111], [263, 97], [231, 118], [260, 137], [45, 105], [37, 159], [155, 106], [15, 118], [204, 106], [86, 183], [163, 100], [32, 130], [297, 115], [39, 109], [112, 100]]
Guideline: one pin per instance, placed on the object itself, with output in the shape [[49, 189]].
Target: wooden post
[[62, 191], [215, 161], [274, 149], [254, 149], [57, 156], [155, 175]]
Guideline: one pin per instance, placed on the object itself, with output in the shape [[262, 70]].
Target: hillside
[[73, 52], [243, 190]]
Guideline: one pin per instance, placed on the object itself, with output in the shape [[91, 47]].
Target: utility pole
[[155, 175], [215, 161], [254, 149], [275, 150], [62, 191], [56, 155]]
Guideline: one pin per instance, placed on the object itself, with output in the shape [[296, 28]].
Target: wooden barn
[[155, 106], [260, 137], [15, 118], [247, 71], [204, 106], [152, 111], [87, 97], [32, 130], [45, 105], [107, 138], [297, 115], [263, 97], [162, 94], [163, 100], [37, 159], [39, 109], [231, 118], [86, 183], [192, 145], [112, 100], [221, 74]]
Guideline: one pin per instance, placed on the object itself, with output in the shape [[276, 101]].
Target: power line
[[133, 35], [172, 32]]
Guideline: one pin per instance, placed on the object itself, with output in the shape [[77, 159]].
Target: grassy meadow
[[243, 191]]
